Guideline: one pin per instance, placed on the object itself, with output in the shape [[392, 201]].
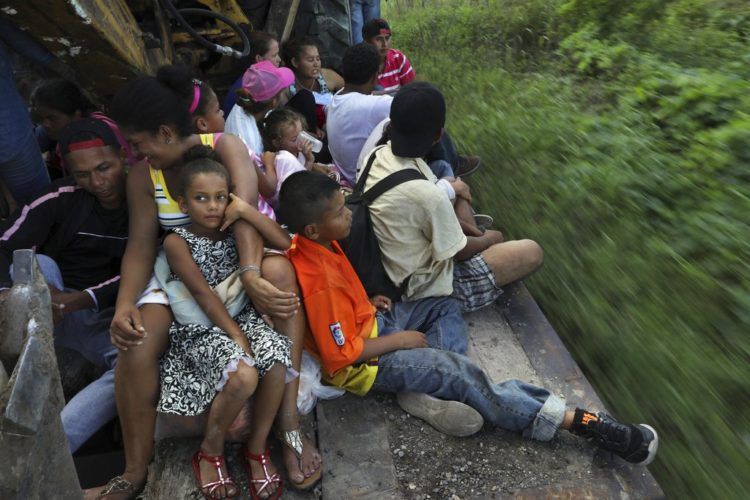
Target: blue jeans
[[24, 173], [362, 11], [87, 332], [441, 169], [22, 169], [444, 149], [450, 375]]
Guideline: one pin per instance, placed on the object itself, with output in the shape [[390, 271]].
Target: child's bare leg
[[567, 422], [265, 406], [465, 216], [224, 409], [279, 271]]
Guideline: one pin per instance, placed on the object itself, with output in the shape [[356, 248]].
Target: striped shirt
[[397, 71], [168, 210]]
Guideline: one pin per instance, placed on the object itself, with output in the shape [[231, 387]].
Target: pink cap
[[263, 80]]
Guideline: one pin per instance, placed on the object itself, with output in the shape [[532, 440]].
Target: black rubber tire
[[329, 22], [256, 12]]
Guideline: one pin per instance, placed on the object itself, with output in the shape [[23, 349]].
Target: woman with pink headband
[[155, 116]]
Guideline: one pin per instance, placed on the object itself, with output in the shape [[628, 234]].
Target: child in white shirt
[[281, 134]]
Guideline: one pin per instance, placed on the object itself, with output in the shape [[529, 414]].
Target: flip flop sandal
[[119, 485], [293, 440], [208, 490], [258, 485]]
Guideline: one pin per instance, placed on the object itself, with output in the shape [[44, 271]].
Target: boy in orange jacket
[[416, 349]]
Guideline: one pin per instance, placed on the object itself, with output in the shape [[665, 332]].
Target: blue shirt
[[231, 99]]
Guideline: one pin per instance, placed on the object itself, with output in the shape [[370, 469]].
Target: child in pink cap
[[261, 85]]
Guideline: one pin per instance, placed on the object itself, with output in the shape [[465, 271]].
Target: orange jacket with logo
[[339, 313]]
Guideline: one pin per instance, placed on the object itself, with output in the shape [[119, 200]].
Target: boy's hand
[[493, 236], [234, 211], [462, 189], [411, 339], [68, 302], [381, 303]]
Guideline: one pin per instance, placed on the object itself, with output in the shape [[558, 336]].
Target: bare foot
[[299, 469], [92, 493]]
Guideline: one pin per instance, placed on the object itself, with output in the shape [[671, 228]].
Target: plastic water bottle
[[317, 145]]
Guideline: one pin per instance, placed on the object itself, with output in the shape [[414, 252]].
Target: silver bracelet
[[244, 269]]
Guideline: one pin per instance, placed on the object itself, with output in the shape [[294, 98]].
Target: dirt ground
[[492, 463]]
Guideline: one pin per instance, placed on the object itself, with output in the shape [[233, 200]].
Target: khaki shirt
[[416, 227]]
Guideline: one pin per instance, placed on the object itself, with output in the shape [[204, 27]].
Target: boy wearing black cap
[[395, 69], [79, 227], [424, 246]]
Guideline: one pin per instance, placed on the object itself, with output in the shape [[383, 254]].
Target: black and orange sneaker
[[635, 443]]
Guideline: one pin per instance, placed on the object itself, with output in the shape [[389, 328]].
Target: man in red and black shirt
[[395, 68], [79, 228]]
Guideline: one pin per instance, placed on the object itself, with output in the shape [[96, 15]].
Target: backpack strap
[[386, 184], [390, 182], [360, 186]]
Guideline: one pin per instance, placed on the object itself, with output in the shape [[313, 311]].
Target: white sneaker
[[449, 417], [483, 220]]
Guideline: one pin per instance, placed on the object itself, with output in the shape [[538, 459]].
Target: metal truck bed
[[372, 449]]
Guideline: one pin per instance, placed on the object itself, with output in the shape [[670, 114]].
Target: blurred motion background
[[617, 135]]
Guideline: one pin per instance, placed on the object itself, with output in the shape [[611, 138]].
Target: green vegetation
[[617, 134]]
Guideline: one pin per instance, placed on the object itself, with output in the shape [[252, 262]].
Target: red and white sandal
[[209, 490], [258, 485]]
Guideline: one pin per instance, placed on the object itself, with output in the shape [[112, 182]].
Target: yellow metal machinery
[[99, 40], [102, 43]]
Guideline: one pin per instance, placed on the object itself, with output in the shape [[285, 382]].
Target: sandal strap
[[269, 479], [266, 482], [117, 484], [211, 487], [217, 461], [262, 458], [292, 439]]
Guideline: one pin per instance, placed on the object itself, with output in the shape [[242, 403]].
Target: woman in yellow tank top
[[168, 211], [155, 115]]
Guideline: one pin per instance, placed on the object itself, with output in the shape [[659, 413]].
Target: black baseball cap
[[417, 117], [84, 134], [375, 27]]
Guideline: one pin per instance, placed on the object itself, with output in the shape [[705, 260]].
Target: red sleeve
[[406, 75], [332, 321]]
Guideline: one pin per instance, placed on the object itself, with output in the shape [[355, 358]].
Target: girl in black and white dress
[[216, 364]]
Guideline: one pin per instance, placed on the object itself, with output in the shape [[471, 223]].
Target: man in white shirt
[[420, 238], [353, 112]]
